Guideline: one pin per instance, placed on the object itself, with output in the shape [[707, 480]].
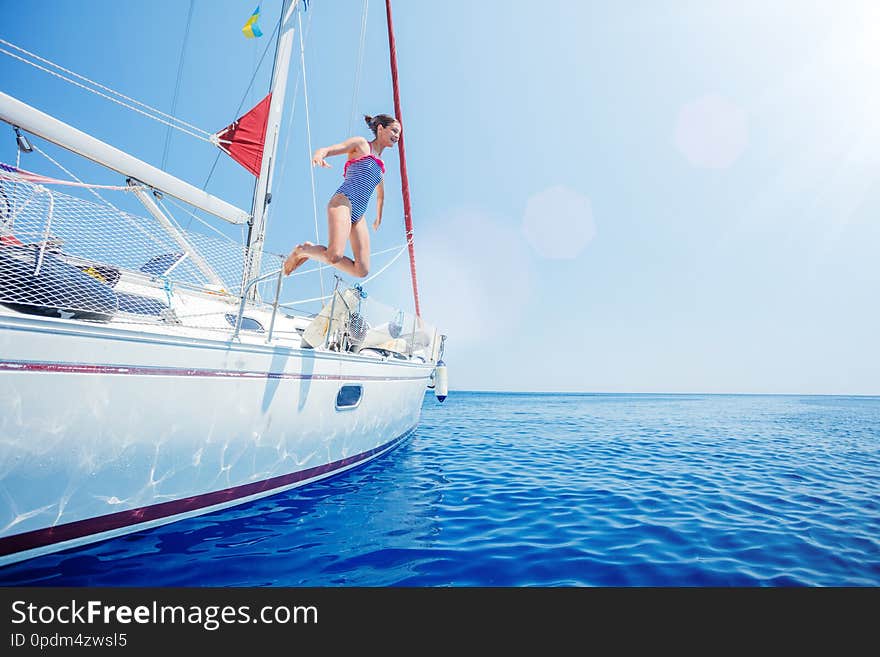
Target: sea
[[548, 490]]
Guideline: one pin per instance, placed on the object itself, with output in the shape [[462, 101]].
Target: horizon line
[[729, 394]]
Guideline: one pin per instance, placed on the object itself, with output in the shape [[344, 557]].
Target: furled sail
[[244, 138]]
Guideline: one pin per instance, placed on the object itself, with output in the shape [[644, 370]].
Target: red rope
[[9, 172], [404, 179]]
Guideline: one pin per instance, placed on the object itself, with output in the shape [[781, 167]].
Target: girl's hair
[[374, 122]]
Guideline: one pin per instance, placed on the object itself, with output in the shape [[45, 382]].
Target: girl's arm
[[347, 146], [380, 201]]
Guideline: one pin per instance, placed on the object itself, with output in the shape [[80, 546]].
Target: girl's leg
[[360, 248], [339, 225]]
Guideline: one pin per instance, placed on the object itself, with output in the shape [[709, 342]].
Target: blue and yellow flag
[[251, 29]]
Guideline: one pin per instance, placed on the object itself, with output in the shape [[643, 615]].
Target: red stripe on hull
[[86, 368], [82, 528]]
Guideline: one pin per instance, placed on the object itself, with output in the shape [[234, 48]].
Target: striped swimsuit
[[362, 175]]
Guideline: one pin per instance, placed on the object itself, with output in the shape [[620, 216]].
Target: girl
[[363, 173]]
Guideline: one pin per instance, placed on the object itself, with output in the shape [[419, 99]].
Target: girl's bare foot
[[295, 259]]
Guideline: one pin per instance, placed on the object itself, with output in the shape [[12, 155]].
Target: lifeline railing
[[78, 239], [363, 324], [244, 300]]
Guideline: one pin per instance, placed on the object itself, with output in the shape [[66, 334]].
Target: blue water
[[549, 490]]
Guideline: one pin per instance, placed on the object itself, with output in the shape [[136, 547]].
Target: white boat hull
[[106, 430]]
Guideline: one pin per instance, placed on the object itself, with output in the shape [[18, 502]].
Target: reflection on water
[[548, 490]]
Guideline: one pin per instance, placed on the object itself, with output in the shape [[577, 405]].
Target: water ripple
[[549, 490]]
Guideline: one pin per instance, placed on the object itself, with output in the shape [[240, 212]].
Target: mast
[[404, 179], [263, 188], [32, 120]]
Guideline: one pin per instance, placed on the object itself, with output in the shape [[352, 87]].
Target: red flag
[[244, 139]]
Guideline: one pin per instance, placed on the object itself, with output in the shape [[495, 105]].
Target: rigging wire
[[288, 130], [156, 116], [244, 98], [389, 263], [69, 173], [360, 61], [185, 210], [177, 83], [400, 251], [128, 217], [302, 55]]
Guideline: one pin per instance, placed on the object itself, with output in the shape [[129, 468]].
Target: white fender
[[441, 383]]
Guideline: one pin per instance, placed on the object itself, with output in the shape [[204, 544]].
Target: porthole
[[247, 323], [348, 397]]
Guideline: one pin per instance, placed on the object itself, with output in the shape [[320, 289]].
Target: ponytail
[[373, 122]]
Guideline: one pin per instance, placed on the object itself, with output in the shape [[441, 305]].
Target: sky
[[638, 196]]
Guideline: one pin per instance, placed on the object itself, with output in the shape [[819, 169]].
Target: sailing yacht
[[150, 373]]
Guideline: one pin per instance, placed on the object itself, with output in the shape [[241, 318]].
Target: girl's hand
[[377, 223], [318, 158]]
